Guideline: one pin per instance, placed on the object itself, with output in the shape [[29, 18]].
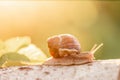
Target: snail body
[[65, 49]]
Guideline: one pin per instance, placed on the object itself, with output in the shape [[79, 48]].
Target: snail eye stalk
[[95, 48]]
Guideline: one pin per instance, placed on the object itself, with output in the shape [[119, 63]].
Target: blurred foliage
[[90, 21]]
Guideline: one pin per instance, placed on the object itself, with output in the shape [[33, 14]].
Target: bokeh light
[[90, 21]]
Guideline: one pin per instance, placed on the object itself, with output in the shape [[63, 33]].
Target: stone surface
[[98, 70]]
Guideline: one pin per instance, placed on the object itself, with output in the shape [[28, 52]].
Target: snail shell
[[63, 45]]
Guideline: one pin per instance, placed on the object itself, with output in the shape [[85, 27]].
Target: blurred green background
[[90, 21]]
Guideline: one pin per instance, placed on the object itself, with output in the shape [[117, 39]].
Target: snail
[[65, 49]]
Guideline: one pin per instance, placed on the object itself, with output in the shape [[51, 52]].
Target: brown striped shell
[[63, 45]]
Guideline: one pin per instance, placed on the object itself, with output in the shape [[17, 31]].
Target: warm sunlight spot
[[40, 19], [7, 3]]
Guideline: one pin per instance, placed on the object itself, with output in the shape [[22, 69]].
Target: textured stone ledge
[[98, 70]]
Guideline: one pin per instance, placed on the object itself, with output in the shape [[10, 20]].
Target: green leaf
[[13, 57], [14, 44], [33, 53]]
